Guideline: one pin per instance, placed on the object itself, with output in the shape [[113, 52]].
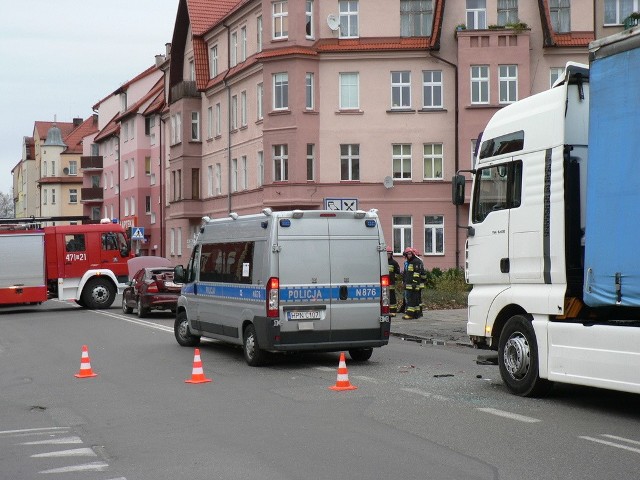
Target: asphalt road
[[420, 411]]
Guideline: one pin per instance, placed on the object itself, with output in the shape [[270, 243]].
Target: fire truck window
[[75, 243], [109, 241]]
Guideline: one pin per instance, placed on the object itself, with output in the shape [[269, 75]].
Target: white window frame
[[402, 233], [125, 169], [259, 33], [45, 196], [309, 32], [614, 13], [480, 82], [218, 120], [309, 91], [401, 161], [243, 167], [234, 175], [507, 83], [73, 167], [243, 108], [431, 232], [210, 122], [311, 160], [210, 181], [350, 162], [414, 21], [281, 91], [432, 88], [234, 112], [179, 242], [218, 179], [172, 242], [260, 168], [349, 95], [400, 90], [560, 12], [195, 126], [348, 14], [280, 162], [132, 168], [213, 61], [554, 74], [433, 159], [280, 22], [476, 14], [243, 43], [260, 101], [507, 12], [234, 49]]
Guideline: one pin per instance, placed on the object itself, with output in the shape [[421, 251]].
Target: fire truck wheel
[[518, 358], [98, 293], [182, 332]]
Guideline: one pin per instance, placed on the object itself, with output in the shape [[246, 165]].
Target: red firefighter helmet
[[389, 250], [407, 251]]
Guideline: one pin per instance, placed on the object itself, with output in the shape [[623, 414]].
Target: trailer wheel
[[98, 293], [252, 352], [360, 354], [518, 359], [181, 330]]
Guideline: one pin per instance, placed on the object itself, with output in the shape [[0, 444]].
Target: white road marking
[[325, 369], [74, 452], [31, 431], [55, 441], [435, 396], [622, 439], [366, 379], [87, 467], [137, 321], [512, 416], [612, 444]]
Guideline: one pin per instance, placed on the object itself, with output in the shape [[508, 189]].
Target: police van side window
[[227, 262], [499, 187]]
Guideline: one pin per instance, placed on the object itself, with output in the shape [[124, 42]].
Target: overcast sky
[[60, 57]]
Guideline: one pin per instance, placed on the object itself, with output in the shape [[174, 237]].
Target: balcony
[[91, 163], [185, 89], [91, 194]]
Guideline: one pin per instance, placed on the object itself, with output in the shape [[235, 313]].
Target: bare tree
[[6, 205]]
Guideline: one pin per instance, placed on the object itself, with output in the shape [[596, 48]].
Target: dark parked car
[[151, 288]]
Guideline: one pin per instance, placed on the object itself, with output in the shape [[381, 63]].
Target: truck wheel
[[360, 354], [142, 312], [252, 352], [98, 293], [125, 307], [182, 332], [518, 358]]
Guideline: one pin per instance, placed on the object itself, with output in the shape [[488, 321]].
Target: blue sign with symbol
[[137, 233]]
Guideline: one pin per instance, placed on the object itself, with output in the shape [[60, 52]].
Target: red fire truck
[[84, 262]]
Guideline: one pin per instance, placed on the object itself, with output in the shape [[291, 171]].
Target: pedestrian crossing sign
[[137, 233]]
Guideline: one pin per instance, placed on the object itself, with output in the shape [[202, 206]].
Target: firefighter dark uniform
[[412, 283], [394, 269]]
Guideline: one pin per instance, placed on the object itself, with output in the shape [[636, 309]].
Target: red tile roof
[[152, 93], [205, 14], [112, 128], [553, 39], [74, 139], [43, 127], [372, 44]]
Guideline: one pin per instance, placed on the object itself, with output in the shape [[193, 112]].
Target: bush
[[443, 290]]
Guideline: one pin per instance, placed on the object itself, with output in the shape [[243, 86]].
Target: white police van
[[287, 281]]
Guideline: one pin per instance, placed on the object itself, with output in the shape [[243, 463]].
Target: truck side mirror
[[178, 274], [457, 189], [124, 252]]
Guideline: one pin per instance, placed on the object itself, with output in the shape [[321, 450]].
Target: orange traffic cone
[[197, 374], [343, 376], [85, 365]]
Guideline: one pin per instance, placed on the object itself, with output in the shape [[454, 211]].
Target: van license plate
[[312, 315]]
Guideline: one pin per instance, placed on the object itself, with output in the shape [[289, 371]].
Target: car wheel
[[126, 308], [142, 312], [518, 358], [360, 354], [252, 352], [183, 333], [98, 293]]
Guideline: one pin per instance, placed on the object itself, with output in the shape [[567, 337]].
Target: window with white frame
[[45, 196], [432, 89], [434, 235], [218, 120], [508, 83], [125, 131], [243, 109], [147, 204], [111, 179], [234, 112], [133, 205], [172, 132], [192, 70], [213, 61], [401, 161], [132, 128], [210, 181], [172, 241], [73, 167], [554, 74], [234, 49], [433, 160], [260, 100], [560, 13], [243, 44], [400, 90], [280, 91], [218, 179], [507, 12], [476, 14], [125, 169], [309, 91], [44, 169], [416, 17], [350, 161], [53, 168], [126, 207], [281, 163], [259, 33], [210, 122], [234, 174], [349, 91], [311, 156], [260, 168], [309, 19], [348, 10], [195, 126], [479, 84], [280, 20], [402, 233], [179, 241], [243, 172], [616, 11], [132, 165]]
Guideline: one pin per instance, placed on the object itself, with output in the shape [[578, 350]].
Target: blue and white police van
[[287, 281]]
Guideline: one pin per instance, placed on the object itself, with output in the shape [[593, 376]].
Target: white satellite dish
[[333, 22], [388, 182]]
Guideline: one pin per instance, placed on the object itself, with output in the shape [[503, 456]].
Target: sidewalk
[[439, 327]]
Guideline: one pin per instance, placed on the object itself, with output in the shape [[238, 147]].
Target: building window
[[53, 168], [260, 100], [507, 12], [234, 49], [218, 120], [280, 20], [73, 167], [349, 91], [281, 163], [243, 109], [243, 44], [126, 169], [243, 168], [192, 70], [433, 161], [433, 235], [402, 232], [210, 181], [95, 213], [147, 165], [416, 17], [179, 241], [476, 14], [400, 90], [126, 207], [401, 161], [234, 112], [432, 89], [133, 205], [234, 174], [348, 18], [125, 131], [132, 164], [554, 74], [172, 241], [508, 83], [260, 168], [95, 181], [350, 162], [210, 122], [309, 19], [45, 196], [195, 126], [259, 33], [309, 91], [218, 179], [560, 12], [479, 84], [280, 91], [195, 184], [615, 11], [213, 61], [310, 160], [147, 204]]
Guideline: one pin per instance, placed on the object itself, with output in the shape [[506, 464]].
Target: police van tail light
[[384, 295], [273, 297]]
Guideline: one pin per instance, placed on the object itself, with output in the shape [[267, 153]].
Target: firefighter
[[412, 281], [394, 269]]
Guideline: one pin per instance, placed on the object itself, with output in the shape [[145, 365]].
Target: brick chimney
[[77, 122]]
